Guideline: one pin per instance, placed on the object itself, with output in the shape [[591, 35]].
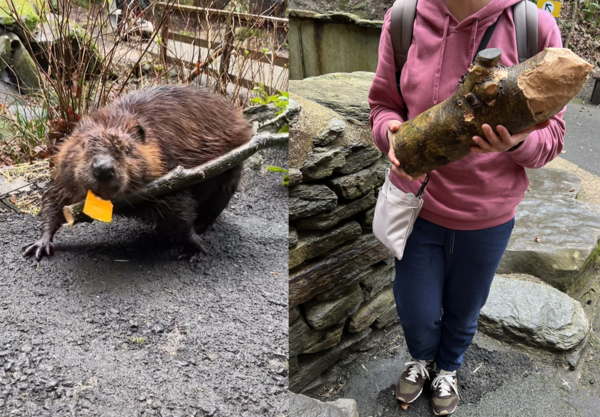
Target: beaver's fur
[[143, 135]]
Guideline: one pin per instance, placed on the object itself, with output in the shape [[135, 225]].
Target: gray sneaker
[[410, 384], [444, 397]]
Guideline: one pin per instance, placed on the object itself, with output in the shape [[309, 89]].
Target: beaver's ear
[[138, 133]]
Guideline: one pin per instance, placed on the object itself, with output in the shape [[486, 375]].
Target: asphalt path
[[115, 325], [582, 136]]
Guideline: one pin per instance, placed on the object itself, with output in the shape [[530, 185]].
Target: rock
[[294, 176], [568, 231], [358, 184], [308, 200], [366, 218], [293, 365], [344, 93], [329, 338], [312, 121], [379, 278], [320, 242], [5, 52], [58, 35], [337, 291], [341, 212], [297, 255], [17, 184], [388, 317], [343, 264], [323, 314], [310, 367], [370, 310], [292, 237], [258, 113], [358, 156], [534, 314], [22, 65], [299, 335], [322, 162], [300, 405], [332, 131], [294, 313], [27, 10], [553, 181]]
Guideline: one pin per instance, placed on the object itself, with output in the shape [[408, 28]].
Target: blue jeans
[[442, 282]]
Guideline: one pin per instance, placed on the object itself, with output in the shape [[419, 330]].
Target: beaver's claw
[[39, 249]]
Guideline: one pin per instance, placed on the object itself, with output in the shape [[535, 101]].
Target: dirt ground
[[115, 325]]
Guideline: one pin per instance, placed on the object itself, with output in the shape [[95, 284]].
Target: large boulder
[[344, 93], [21, 64], [554, 234], [27, 10], [533, 313], [302, 406]]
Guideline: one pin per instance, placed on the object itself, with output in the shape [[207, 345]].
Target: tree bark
[[517, 97], [181, 178]]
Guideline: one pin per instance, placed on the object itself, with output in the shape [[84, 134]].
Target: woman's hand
[[503, 143], [393, 126]]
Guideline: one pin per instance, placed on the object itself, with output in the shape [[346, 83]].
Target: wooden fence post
[[164, 40]]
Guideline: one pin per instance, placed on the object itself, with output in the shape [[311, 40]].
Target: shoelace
[[416, 368], [445, 382]]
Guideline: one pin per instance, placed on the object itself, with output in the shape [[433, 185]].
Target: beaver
[[140, 137]]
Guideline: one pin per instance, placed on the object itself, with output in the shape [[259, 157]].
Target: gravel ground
[[115, 325]]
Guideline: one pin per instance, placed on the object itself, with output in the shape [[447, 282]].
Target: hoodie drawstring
[[438, 71], [452, 234], [474, 27]]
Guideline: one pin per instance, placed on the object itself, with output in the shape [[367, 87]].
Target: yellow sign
[[550, 6]]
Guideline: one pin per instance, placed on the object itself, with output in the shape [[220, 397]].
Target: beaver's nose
[[103, 168]]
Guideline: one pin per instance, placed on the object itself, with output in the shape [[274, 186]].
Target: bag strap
[[401, 29], [525, 17], [486, 37]]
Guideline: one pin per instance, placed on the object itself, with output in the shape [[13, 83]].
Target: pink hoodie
[[479, 190]]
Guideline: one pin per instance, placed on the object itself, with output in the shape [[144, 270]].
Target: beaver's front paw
[[39, 249]]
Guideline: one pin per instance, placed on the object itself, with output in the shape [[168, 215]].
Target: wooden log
[[516, 97]]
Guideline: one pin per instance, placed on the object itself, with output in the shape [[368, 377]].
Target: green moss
[[27, 10]]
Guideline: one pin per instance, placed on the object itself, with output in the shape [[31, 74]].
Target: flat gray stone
[[294, 177], [294, 313], [328, 338], [370, 310], [302, 406], [323, 314], [360, 183], [298, 334], [358, 156], [322, 162], [18, 184], [341, 212], [344, 93], [568, 232], [553, 181], [332, 131], [310, 367], [388, 317], [534, 314], [379, 278], [317, 243], [292, 237], [297, 255], [366, 218], [308, 200], [343, 263]]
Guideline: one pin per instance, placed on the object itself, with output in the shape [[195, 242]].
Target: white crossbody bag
[[395, 215]]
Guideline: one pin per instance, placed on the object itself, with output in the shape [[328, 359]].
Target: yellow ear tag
[[97, 208]]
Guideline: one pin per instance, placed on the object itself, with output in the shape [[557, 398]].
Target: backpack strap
[[401, 29], [525, 16]]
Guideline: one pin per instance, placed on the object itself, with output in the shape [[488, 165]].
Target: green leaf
[[284, 129], [277, 169]]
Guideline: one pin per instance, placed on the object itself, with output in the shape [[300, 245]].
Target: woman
[[452, 255]]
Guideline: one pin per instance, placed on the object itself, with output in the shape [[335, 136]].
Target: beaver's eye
[[127, 151]]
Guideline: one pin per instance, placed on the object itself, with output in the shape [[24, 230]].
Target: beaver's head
[[110, 159]]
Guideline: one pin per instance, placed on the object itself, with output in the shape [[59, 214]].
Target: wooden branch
[[181, 178]]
